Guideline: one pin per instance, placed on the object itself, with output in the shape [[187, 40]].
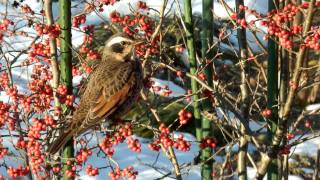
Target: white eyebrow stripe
[[117, 40]]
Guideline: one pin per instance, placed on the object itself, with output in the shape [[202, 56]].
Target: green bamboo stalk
[[193, 65], [66, 66], [272, 88], [207, 55]]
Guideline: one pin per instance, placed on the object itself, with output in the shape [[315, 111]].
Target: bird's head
[[120, 47]]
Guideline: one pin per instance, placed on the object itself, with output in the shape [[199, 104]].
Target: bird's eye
[[122, 43]]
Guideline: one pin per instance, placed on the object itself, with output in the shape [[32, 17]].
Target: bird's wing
[[113, 93], [85, 82]]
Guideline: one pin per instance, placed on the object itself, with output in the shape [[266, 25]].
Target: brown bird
[[112, 88]]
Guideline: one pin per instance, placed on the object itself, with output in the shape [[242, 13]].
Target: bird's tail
[[57, 144]]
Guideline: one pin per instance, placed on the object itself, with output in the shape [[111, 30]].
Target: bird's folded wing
[[107, 103]]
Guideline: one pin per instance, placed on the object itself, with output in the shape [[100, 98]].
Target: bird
[[112, 88]]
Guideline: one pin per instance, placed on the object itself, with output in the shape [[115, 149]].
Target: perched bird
[[112, 88]]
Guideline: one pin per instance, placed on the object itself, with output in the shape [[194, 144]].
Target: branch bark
[[53, 51], [243, 144]]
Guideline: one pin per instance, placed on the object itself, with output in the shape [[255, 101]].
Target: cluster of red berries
[[5, 24], [154, 146], [88, 69], [41, 89], [123, 132], [276, 21], [89, 30], [266, 113], [39, 49], [36, 128], [82, 155], [188, 95], [180, 49], [41, 71], [285, 150], [290, 136], [134, 144], [4, 27], [93, 55], [208, 142], [127, 172], [49, 121], [142, 5], [18, 172], [108, 2], [165, 91], [21, 143], [4, 113], [106, 145], [92, 171], [88, 8], [76, 71], [62, 90], [307, 124], [26, 9], [293, 85], [65, 98], [78, 20], [52, 30], [184, 116], [3, 152], [71, 172], [138, 23], [179, 74], [181, 144], [202, 76], [115, 17], [165, 139], [4, 81], [36, 157], [118, 137], [313, 39], [56, 169]]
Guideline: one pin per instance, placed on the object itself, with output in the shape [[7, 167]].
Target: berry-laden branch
[[166, 148], [221, 97], [273, 150]]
